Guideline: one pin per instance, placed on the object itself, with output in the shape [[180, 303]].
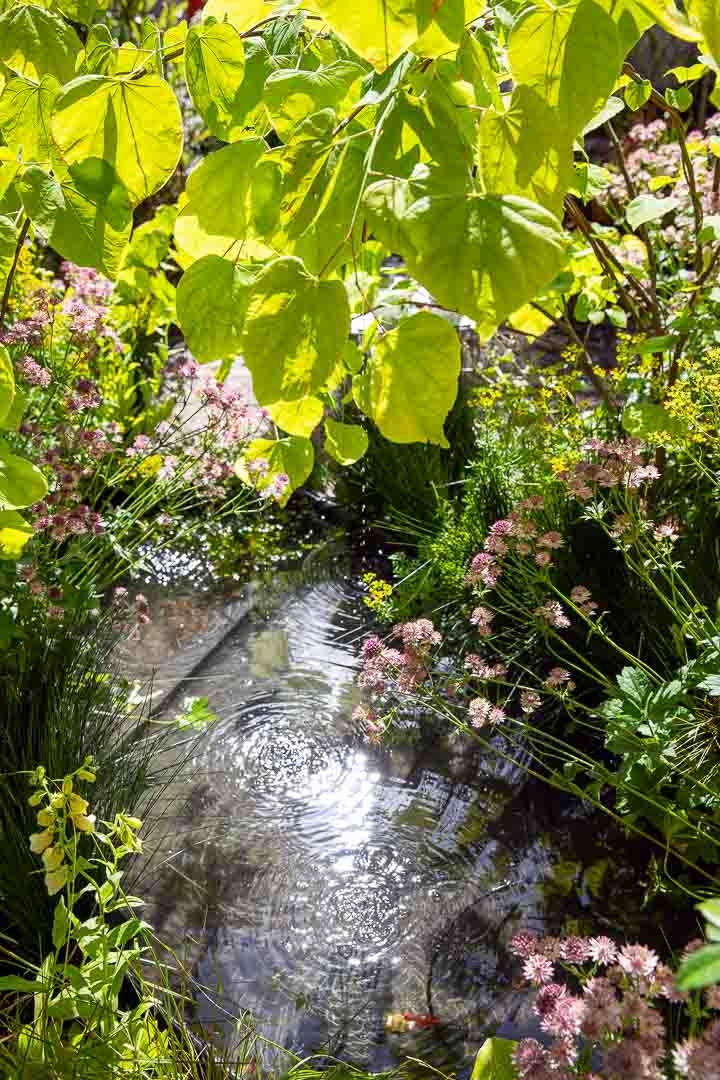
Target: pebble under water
[[319, 882]]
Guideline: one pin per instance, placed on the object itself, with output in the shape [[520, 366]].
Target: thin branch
[[178, 50], [688, 171], [610, 264], [11, 273]]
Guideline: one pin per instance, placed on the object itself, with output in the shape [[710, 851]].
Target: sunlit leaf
[[411, 382], [292, 457], [242, 14], [295, 330], [211, 300], [215, 70], [232, 200], [346, 443], [646, 208], [132, 124], [482, 255], [494, 1060], [299, 417], [291, 95], [35, 42], [7, 383], [21, 482], [25, 108]]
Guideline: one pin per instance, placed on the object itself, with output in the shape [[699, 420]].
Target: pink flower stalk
[[558, 678]]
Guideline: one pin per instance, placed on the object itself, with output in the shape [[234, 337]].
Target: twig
[[643, 230], [689, 172], [11, 273], [609, 263]]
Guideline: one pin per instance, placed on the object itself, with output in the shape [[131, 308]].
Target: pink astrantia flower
[[530, 701], [637, 960], [524, 944], [603, 950], [538, 969], [552, 613]]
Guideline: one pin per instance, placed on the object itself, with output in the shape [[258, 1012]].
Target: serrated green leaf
[[211, 300], [215, 71], [295, 330], [299, 417], [346, 443], [25, 108], [482, 255], [293, 457], [35, 42], [645, 208], [21, 482], [7, 383], [411, 382], [232, 202], [132, 124]]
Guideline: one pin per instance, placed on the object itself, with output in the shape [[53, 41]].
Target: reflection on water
[[319, 882]]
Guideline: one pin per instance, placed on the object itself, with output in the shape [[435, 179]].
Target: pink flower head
[[480, 711], [482, 619], [530, 1059], [538, 969], [34, 373], [552, 613], [603, 950], [551, 540], [637, 960], [543, 558], [371, 647], [530, 701], [524, 944], [558, 678], [575, 950]]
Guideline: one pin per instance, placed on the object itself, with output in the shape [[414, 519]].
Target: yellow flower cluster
[[694, 400], [379, 592], [63, 814]]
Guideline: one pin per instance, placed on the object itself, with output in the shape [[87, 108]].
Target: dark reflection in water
[[319, 882]]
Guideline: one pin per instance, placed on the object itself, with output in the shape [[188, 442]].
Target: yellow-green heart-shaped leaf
[[14, 534], [211, 300], [345, 442]]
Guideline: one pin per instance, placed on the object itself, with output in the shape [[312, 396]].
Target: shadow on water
[[319, 882]]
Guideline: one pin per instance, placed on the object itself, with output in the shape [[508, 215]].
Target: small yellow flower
[[55, 880], [41, 840], [67, 785], [45, 818], [53, 857]]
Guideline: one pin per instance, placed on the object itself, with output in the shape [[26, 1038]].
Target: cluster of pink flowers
[[86, 396], [553, 613], [480, 667], [615, 464], [69, 521], [34, 373], [49, 594], [483, 713], [141, 606], [408, 669], [651, 151], [613, 1029], [559, 679], [582, 598], [482, 619]]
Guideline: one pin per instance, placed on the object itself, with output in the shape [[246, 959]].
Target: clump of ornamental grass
[[61, 699]]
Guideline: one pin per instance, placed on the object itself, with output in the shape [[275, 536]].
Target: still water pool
[[319, 882]]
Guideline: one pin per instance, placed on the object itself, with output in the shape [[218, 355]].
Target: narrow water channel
[[319, 882]]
